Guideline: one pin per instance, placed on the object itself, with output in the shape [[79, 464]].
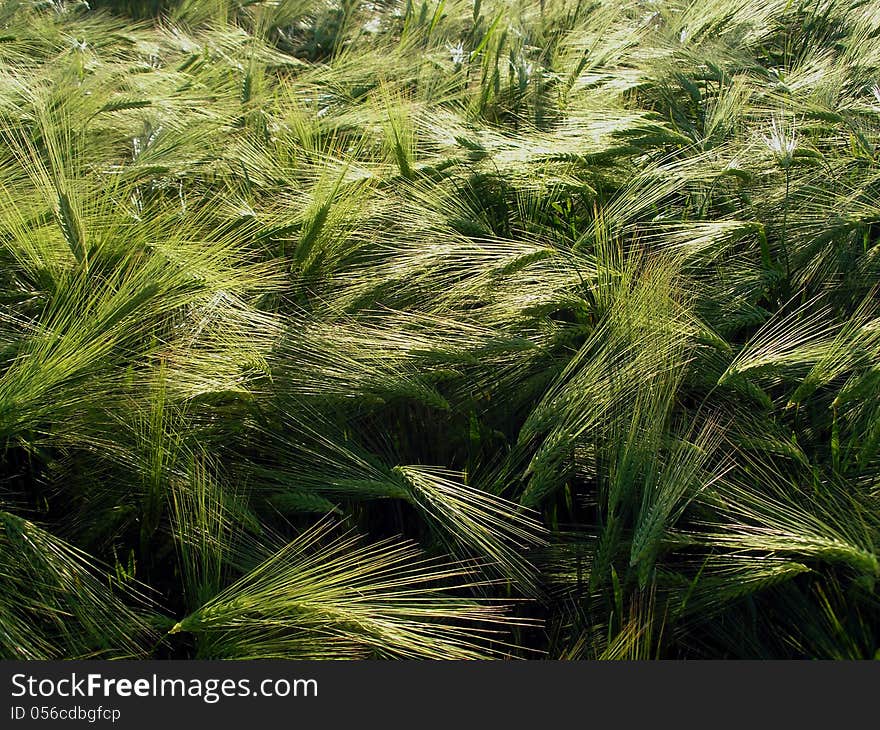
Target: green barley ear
[[325, 596], [57, 602]]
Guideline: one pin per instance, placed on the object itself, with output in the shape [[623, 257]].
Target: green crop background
[[497, 329]]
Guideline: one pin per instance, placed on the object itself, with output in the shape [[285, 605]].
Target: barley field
[[441, 330]]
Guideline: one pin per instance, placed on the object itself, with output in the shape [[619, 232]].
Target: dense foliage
[[444, 330]]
